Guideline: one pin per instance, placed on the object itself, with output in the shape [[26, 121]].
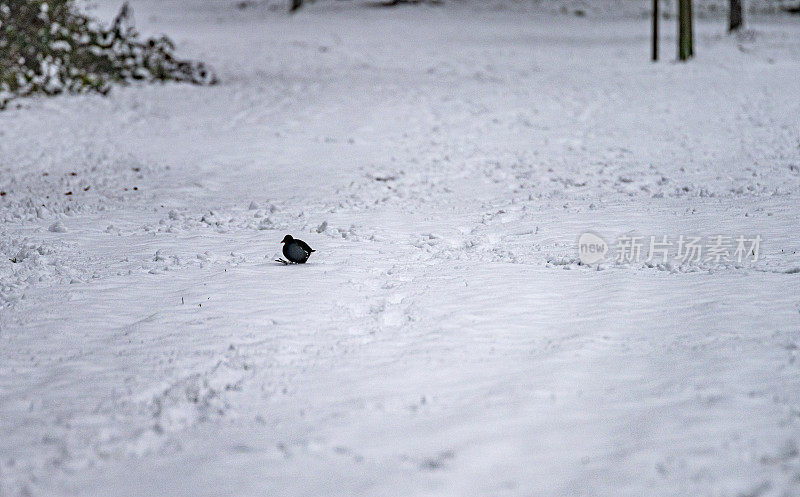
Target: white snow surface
[[443, 340]]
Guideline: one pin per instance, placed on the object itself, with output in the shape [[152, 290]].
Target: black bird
[[296, 251]]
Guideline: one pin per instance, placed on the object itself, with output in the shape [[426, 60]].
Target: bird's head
[[287, 239]]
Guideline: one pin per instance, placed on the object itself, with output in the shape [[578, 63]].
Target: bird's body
[[296, 251]]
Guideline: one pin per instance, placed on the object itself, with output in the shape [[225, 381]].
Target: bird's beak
[[281, 241]]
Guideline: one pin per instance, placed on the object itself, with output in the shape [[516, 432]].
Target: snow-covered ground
[[443, 340]]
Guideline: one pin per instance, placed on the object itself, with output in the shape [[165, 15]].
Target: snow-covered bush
[[49, 47]]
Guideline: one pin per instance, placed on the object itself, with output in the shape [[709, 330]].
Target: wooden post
[[685, 50], [735, 16], [655, 30], [690, 23]]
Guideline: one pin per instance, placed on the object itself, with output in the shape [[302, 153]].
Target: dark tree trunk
[[736, 17], [655, 30], [691, 30], [685, 41]]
